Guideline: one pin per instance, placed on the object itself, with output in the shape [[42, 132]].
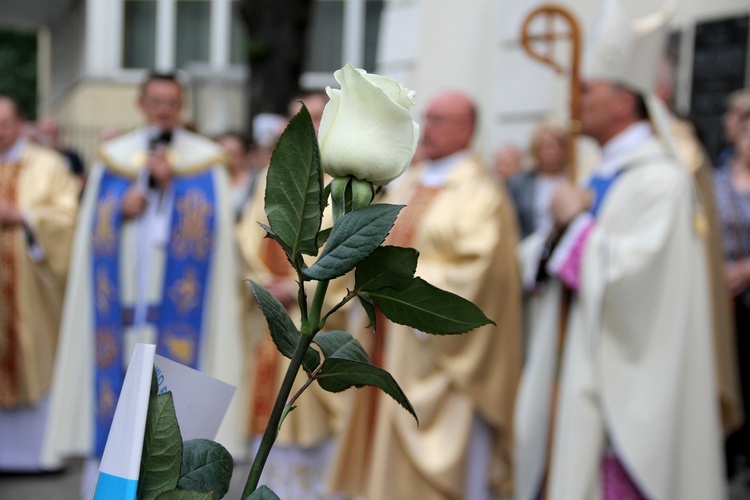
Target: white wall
[[103, 49], [67, 46]]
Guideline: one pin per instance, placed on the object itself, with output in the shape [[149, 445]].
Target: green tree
[[18, 68]]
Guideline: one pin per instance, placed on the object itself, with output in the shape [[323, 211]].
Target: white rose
[[367, 130]]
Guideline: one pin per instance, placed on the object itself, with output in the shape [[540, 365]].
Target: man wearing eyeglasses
[[153, 262]]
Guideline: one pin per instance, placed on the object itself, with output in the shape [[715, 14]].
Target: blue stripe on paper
[[109, 487]]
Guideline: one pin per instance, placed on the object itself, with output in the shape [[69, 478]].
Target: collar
[[617, 151], [436, 172], [13, 155]]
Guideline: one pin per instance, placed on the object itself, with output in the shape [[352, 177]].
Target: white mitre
[[627, 52]]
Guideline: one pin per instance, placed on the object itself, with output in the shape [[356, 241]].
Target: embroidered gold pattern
[[106, 348], [107, 400], [191, 237], [131, 168], [184, 292], [104, 235], [11, 390], [181, 348], [105, 292]]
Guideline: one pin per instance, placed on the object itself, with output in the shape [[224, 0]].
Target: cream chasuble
[[465, 231], [693, 156], [638, 368], [219, 350], [533, 407]]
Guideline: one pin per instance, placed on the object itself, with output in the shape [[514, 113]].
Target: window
[[326, 36], [193, 30], [372, 30], [238, 37], [139, 34], [171, 34]]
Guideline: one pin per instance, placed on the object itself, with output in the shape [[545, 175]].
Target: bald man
[[462, 387]]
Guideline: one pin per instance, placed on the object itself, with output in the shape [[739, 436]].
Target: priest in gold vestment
[[693, 156], [462, 387], [297, 466], [38, 203]]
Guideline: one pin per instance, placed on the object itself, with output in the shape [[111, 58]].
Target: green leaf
[[275, 237], [287, 411], [339, 374], [263, 493], [387, 266], [154, 384], [299, 261], [162, 448], [348, 365], [339, 344], [323, 236], [206, 466], [283, 331], [185, 495], [429, 309], [354, 236], [369, 309], [294, 189]]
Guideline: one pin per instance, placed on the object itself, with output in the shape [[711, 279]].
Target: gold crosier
[[559, 27]]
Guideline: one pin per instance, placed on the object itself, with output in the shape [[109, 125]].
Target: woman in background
[[532, 190], [732, 195]]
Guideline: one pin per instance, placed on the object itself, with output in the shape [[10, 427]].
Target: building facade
[[93, 54]]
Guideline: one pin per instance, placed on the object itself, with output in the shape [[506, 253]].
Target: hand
[[133, 203], [737, 275], [159, 167], [284, 289], [10, 216], [568, 200]]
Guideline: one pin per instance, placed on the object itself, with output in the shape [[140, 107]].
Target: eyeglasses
[[444, 119], [155, 102]]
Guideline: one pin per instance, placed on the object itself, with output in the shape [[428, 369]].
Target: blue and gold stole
[[179, 315], [599, 185]]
